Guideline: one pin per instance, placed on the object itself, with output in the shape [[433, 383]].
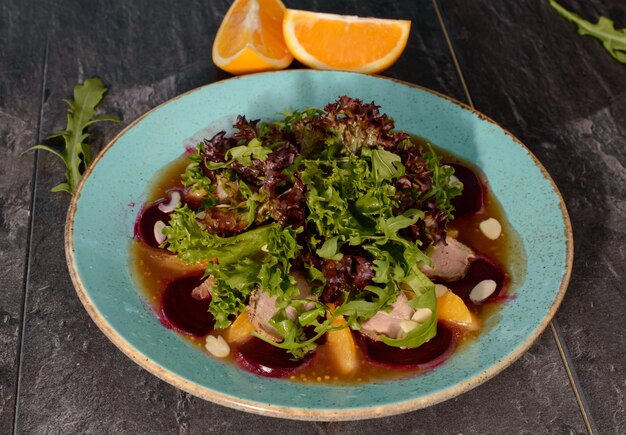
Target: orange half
[[329, 41], [250, 38]]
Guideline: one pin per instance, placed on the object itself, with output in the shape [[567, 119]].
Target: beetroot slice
[[480, 268], [428, 355], [144, 226], [472, 199], [263, 359], [183, 312]]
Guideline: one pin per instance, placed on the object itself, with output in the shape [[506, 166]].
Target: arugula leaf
[[614, 40], [243, 154], [77, 154], [330, 249], [425, 297], [386, 165], [293, 331], [316, 278], [367, 303]]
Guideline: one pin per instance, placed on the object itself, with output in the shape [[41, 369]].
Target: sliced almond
[[217, 346], [491, 228], [158, 232], [408, 325], [483, 290], [440, 290], [421, 315], [168, 207]]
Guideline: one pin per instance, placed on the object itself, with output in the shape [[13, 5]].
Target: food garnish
[[451, 308], [613, 40], [77, 154], [342, 42], [262, 35], [250, 38]]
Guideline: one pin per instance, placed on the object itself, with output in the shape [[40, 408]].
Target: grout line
[[556, 332], [573, 378], [29, 244], [453, 53]]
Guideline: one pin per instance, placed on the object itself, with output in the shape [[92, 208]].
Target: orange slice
[[329, 41], [161, 259], [240, 330], [250, 38], [342, 347], [451, 308]]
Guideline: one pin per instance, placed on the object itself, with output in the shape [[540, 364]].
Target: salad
[[323, 229]]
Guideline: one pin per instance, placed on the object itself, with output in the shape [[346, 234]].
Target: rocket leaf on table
[[77, 154], [614, 40]]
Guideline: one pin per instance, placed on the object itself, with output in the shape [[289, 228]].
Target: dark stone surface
[[21, 66], [73, 380], [532, 396], [565, 97]]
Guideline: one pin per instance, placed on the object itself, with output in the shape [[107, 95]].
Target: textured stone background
[[523, 65]]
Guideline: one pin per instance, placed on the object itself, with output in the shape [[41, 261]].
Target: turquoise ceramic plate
[[100, 228]]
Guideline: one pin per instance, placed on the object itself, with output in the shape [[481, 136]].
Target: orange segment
[[164, 260], [342, 348], [451, 308], [329, 41], [240, 329], [250, 38]]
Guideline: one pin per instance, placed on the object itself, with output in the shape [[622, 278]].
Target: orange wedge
[[250, 38], [328, 41], [342, 347], [161, 259], [240, 329], [451, 308]]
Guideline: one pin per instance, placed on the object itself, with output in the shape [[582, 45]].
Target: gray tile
[[21, 64], [73, 379], [532, 396], [565, 97]]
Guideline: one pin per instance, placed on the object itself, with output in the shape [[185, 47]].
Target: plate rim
[[318, 414]]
